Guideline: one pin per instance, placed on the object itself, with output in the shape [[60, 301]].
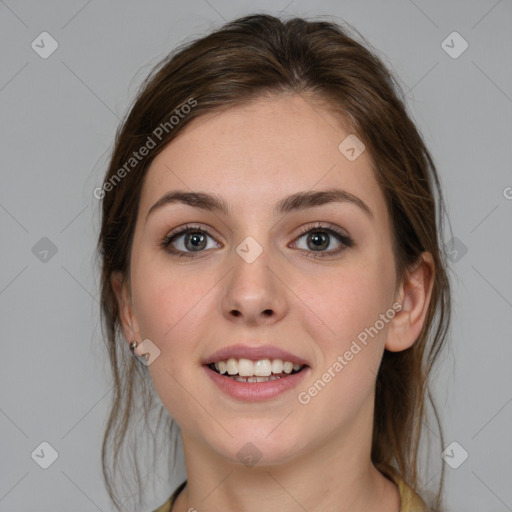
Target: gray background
[[59, 116]]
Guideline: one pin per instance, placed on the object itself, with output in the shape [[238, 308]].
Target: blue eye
[[194, 239], [320, 237]]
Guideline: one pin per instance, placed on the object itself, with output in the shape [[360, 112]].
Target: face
[[299, 283]]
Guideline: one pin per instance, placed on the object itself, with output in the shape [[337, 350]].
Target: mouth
[[249, 371]]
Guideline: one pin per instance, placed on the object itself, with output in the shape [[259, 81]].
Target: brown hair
[[246, 59]]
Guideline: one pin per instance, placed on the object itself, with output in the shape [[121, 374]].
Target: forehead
[[254, 154]]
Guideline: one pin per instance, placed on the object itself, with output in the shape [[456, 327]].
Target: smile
[[262, 370], [253, 387]]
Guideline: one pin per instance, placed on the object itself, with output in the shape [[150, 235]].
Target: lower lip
[[255, 391]]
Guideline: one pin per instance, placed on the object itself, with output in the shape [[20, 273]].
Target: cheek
[[174, 307], [167, 298], [344, 318], [351, 299], [170, 310], [350, 343]]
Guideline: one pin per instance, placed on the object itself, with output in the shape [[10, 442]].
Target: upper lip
[[253, 353]]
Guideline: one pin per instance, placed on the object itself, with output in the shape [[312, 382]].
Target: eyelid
[[325, 226], [181, 229]]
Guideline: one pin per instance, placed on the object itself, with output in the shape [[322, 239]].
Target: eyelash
[[345, 240]]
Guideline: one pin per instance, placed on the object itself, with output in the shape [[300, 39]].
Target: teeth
[[277, 366], [222, 367], [287, 367], [256, 379], [245, 370], [263, 368], [232, 366]]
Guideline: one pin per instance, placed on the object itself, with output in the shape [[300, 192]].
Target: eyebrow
[[295, 202]]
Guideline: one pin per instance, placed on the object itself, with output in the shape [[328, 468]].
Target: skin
[[315, 456]]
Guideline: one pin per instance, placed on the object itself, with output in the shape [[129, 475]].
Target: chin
[[256, 448]]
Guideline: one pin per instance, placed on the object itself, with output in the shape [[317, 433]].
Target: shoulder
[[167, 506], [410, 501]]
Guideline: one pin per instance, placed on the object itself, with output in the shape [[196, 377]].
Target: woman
[[271, 254]]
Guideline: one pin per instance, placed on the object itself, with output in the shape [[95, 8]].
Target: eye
[[319, 237], [186, 241], [194, 239]]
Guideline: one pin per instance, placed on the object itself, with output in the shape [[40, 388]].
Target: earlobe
[[415, 295], [126, 314]]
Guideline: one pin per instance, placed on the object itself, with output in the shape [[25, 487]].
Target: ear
[[127, 317], [414, 295]]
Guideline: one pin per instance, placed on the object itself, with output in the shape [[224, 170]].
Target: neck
[[335, 475]]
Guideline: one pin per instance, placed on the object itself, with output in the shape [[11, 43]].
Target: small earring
[[143, 358]]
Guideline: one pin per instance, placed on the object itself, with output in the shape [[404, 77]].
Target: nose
[[254, 292]]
